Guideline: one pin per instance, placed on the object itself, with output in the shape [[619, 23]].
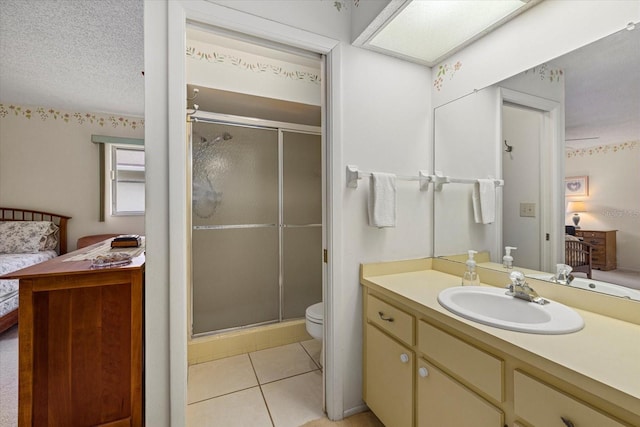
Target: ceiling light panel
[[428, 31]]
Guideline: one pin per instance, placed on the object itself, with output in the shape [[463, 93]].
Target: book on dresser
[[126, 241]]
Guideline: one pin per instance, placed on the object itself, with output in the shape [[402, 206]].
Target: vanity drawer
[[542, 405], [470, 364], [391, 319]]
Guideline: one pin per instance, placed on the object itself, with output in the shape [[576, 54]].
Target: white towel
[[382, 200], [484, 201]]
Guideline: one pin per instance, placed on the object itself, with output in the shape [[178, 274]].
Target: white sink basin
[[491, 306]]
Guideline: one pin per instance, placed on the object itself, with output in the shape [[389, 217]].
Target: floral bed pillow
[[24, 237]]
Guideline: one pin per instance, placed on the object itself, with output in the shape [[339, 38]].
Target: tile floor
[[276, 387]]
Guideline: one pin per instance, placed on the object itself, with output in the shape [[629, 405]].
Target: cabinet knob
[[423, 372], [404, 357], [567, 422]]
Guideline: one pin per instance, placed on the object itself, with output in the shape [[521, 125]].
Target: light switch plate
[[528, 210]]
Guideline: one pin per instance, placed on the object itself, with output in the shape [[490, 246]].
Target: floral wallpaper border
[[70, 117], [546, 73], [446, 70], [223, 58], [603, 149], [341, 5]]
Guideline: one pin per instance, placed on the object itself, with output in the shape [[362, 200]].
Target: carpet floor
[[9, 377]]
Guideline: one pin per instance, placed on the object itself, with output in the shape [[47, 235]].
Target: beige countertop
[[602, 358]]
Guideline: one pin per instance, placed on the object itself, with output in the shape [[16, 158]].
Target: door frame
[[552, 171], [210, 14]]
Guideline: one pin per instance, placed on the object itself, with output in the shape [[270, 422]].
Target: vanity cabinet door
[[542, 405], [444, 402], [469, 364], [388, 379]]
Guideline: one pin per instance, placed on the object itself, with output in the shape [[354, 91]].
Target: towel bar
[[438, 179], [354, 174]]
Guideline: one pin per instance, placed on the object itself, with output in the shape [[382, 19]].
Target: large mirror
[[563, 132]]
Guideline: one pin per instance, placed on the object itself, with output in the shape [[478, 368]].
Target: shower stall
[[256, 231]]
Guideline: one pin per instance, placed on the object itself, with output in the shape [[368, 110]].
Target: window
[[127, 180]]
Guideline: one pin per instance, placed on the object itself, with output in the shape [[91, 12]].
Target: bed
[[27, 237]]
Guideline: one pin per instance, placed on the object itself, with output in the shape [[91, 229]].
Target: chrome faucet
[[563, 274], [519, 288]]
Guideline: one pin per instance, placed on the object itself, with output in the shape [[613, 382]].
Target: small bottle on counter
[[470, 277], [507, 259]]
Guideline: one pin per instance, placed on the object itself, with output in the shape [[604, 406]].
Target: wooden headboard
[[17, 214]]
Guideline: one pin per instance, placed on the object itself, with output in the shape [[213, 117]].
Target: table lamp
[[576, 208]]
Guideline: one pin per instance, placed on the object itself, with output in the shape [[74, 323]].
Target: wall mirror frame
[[480, 115]]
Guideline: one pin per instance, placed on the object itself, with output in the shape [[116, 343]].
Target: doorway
[[179, 15], [533, 218], [256, 199], [522, 166]]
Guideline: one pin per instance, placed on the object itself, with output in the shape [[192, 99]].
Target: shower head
[[224, 137]]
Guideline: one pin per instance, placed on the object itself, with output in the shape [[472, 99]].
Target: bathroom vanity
[[425, 366]]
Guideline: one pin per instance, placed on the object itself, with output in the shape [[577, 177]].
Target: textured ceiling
[[85, 55], [602, 90]]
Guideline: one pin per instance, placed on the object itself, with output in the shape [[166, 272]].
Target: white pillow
[[24, 237]]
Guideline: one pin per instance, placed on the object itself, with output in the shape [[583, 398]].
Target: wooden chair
[[578, 255]]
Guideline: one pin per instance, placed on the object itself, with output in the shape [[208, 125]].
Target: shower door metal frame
[[246, 122]]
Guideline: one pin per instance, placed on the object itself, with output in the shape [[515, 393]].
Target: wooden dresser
[[604, 247], [81, 344]]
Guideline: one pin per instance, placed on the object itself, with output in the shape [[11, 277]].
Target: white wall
[[48, 162], [546, 31], [386, 128], [613, 202], [466, 135], [158, 383]]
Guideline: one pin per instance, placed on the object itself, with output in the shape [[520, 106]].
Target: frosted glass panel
[[235, 278], [302, 273], [302, 178], [235, 175]]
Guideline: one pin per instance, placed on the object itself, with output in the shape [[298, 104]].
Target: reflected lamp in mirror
[[576, 208]]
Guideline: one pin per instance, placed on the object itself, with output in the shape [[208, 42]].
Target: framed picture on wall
[[576, 186]]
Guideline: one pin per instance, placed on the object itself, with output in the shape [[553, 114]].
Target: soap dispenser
[[470, 276], [507, 259]]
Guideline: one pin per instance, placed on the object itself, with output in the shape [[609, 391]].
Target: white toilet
[[315, 323], [314, 320]]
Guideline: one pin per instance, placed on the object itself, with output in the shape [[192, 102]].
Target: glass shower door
[[301, 222], [235, 215]]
